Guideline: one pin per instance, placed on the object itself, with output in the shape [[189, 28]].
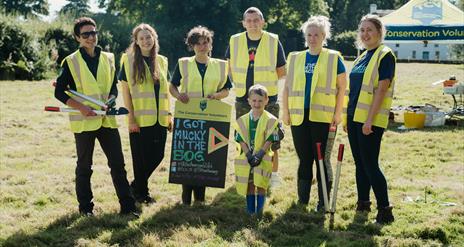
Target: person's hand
[[257, 158], [337, 118], [183, 97], [170, 124], [286, 118], [211, 96], [367, 128], [134, 128], [87, 111], [249, 156]]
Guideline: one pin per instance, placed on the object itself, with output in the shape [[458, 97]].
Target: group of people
[[316, 97]]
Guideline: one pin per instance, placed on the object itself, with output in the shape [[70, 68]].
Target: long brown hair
[[138, 65]]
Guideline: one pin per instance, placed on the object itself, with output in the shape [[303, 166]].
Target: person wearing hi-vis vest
[[256, 57], [143, 77], [313, 100], [200, 76], [91, 71], [372, 79], [255, 133]]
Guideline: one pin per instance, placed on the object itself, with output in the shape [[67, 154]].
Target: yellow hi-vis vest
[[267, 124], [214, 79], [146, 112], [323, 86], [97, 88], [265, 62], [369, 85]]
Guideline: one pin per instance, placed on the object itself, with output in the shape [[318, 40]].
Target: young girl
[[145, 89], [256, 131]]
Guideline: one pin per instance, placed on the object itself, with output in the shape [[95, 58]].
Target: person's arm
[[219, 95], [280, 68], [133, 126], [341, 89], [175, 82], [285, 110], [386, 74], [65, 82]]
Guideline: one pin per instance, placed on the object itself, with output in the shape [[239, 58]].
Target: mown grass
[[424, 168]]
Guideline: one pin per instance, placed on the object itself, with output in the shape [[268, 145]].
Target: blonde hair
[[139, 65], [259, 90], [319, 21], [375, 20]]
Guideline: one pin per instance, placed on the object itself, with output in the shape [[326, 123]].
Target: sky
[[56, 5]]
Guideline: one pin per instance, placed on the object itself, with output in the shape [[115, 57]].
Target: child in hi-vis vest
[[256, 131]]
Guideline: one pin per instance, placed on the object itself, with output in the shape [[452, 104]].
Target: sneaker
[[130, 213], [275, 180]]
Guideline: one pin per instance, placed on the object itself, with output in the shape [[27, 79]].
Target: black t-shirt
[[65, 80], [123, 77], [252, 47], [176, 77]]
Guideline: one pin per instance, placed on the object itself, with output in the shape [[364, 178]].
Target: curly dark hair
[[194, 35]]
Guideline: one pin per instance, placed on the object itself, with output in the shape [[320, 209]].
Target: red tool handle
[[341, 149], [54, 83], [51, 108], [319, 154]]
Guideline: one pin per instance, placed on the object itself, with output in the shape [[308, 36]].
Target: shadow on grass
[[67, 230], [226, 216]]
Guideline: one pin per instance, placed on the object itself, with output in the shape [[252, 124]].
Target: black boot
[[304, 188], [385, 215], [363, 206]]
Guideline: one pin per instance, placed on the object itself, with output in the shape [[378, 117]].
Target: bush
[[61, 42], [345, 43], [21, 55]]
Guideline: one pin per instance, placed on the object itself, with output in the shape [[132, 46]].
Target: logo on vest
[[203, 105]]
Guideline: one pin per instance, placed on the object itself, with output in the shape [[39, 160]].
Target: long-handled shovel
[[322, 173], [333, 200]]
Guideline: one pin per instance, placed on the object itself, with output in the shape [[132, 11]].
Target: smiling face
[[314, 37], [202, 47], [145, 41], [87, 38], [370, 35], [257, 102], [253, 23]]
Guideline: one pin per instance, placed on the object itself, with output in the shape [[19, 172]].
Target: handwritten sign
[[199, 143]]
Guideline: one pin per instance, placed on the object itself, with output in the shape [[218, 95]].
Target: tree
[[26, 8], [75, 8]]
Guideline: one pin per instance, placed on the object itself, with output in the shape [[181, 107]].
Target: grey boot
[[304, 188]]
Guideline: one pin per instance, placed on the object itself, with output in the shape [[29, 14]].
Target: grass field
[[424, 170]]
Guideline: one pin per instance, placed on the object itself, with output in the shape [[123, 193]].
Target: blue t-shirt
[[310, 64], [386, 71]]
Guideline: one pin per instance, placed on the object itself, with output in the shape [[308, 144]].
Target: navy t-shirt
[[252, 47], [176, 77], [386, 71], [310, 64]]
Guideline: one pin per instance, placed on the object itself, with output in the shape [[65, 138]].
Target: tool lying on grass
[[322, 173], [333, 200], [108, 107]]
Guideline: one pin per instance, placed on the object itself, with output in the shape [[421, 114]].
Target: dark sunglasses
[[86, 35]]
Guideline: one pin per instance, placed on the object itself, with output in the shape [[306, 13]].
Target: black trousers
[[305, 137], [147, 148], [110, 142], [365, 150], [198, 193]]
